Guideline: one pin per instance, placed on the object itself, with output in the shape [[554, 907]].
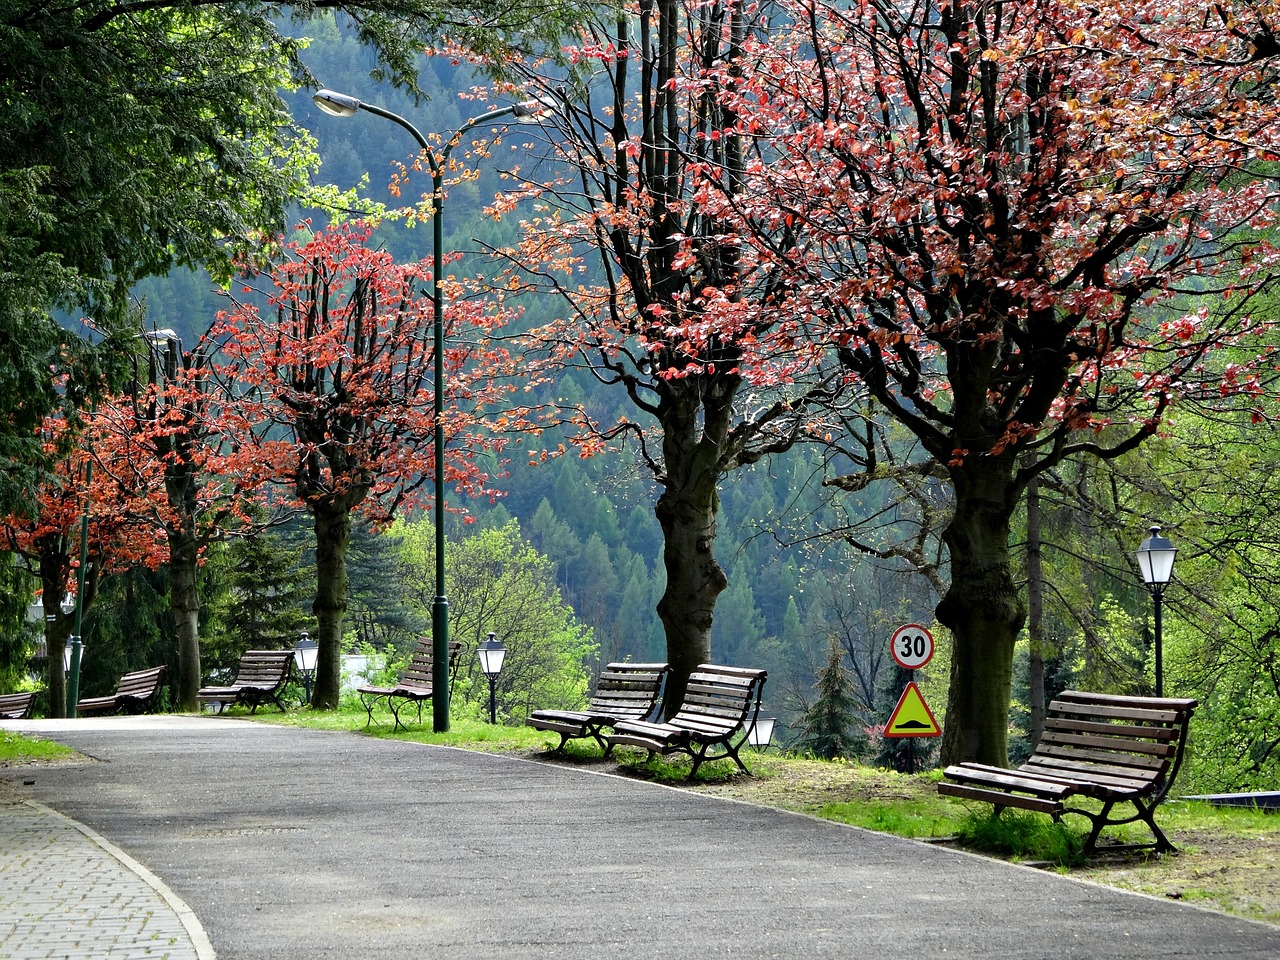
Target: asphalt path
[[294, 844]]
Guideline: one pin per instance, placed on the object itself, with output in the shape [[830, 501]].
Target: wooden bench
[[1112, 749], [16, 706], [137, 692], [415, 684], [720, 704], [625, 691], [260, 676]]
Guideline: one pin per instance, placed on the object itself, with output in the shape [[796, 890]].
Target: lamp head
[[336, 104], [492, 653], [533, 110], [1155, 558], [760, 733], [305, 652]]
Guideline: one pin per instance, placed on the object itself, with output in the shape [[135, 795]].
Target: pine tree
[[829, 728], [263, 605]]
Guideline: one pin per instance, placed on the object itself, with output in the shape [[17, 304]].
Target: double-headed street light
[[1155, 560], [343, 105]]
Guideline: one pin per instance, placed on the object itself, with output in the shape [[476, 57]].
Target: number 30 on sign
[[911, 646]]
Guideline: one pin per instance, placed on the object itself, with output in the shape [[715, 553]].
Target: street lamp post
[[1155, 560], [343, 105], [75, 643], [492, 655], [305, 652]]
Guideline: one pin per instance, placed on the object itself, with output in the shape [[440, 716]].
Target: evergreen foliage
[[831, 728], [264, 588]]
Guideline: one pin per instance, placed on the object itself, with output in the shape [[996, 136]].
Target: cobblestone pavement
[[66, 893]]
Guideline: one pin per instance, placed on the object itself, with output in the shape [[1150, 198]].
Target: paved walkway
[[66, 892], [301, 845]]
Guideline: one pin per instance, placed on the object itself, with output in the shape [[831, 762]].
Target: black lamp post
[[492, 654], [1155, 560], [343, 105], [305, 652], [73, 652]]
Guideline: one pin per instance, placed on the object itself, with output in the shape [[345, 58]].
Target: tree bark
[[57, 628], [983, 610], [1035, 615], [333, 533], [184, 600], [694, 579]]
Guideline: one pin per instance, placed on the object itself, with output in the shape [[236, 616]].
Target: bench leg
[[367, 703], [1145, 813]]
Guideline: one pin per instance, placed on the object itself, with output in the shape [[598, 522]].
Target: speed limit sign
[[911, 646]]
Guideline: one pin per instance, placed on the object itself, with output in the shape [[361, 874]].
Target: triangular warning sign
[[912, 716]]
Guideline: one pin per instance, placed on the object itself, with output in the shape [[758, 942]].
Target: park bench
[[415, 684], [625, 691], [16, 706], [260, 676], [137, 692], [720, 704], [1111, 749]]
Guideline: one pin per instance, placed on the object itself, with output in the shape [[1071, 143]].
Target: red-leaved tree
[[83, 515], [1026, 229], [333, 398], [648, 302]]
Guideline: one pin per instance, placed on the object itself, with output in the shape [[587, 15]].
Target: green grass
[[905, 818], [1019, 835], [16, 749]]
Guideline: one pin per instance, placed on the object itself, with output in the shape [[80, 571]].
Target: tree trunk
[[983, 610], [184, 601], [695, 425], [1035, 615], [57, 628], [333, 533]]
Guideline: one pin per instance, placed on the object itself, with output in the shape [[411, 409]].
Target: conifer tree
[[829, 728]]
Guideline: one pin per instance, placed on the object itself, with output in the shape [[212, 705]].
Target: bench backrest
[[1127, 741], [16, 706], [140, 685], [720, 698], [264, 668], [421, 669], [628, 691]]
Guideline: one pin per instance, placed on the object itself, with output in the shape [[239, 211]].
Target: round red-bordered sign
[[911, 646]]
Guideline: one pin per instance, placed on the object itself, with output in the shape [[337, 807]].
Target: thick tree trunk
[[57, 628], [333, 533], [983, 610], [694, 581], [184, 600], [1035, 615], [687, 511]]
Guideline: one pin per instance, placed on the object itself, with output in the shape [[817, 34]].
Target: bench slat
[[1000, 798]]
